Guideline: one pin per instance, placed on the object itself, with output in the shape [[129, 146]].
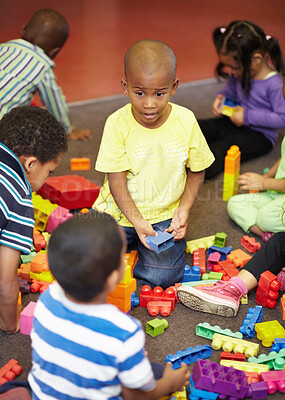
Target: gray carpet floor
[[208, 216]]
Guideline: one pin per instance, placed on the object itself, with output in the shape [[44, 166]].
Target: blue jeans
[[157, 269]]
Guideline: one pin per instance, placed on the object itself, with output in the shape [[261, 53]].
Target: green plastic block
[[275, 360], [220, 239], [207, 331], [156, 327], [194, 283], [212, 275]]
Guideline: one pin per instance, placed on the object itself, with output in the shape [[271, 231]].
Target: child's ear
[[53, 52], [124, 85], [257, 58], [175, 85], [28, 162]]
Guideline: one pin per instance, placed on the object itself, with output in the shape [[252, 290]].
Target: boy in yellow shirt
[[154, 156]]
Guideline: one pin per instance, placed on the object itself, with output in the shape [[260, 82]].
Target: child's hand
[[177, 378], [178, 224], [82, 134], [217, 105], [238, 116], [251, 181], [144, 229]]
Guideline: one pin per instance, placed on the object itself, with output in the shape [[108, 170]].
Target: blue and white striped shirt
[[24, 70], [16, 206], [85, 351]]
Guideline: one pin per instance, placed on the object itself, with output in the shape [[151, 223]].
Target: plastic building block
[[70, 191], [231, 172], [26, 318], [199, 259], [204, 242], [281, 279], [228, 269], [268, 331], [245, 366], [121, 304], [189, 356], [207, 331], [198, 394], [274, 380], [220, 239], [252, 317], [135, 301], [131, 259], [250, 244], [42, 211], [161, 242], [224, 251], [27, 258], [182, 395], [198, 283], [258, 391], [124, 291], [252, 376], [239, 257], [220, 379], [38, 240], [274, 360], [9, 371], [236, 345], [213, 259], [24, 271], [39, 263], [191, 274], [244, 300], [42, 276], [157, 294], [127, 275], [159, 307], [279, 343], [156, 327], [226, 355], [57, 216], [80, 164], [212, 275], [39, 286], [228, 105], [267, 290], [24, 287], [282, 307]]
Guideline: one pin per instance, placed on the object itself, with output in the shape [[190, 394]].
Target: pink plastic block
[[26, 318], [274, 380], [57, 216], [213, 259]]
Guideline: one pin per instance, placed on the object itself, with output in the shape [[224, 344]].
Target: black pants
[[270, 257], [221, 134]]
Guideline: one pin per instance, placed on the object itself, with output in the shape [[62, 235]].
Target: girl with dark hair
[[251, 61]]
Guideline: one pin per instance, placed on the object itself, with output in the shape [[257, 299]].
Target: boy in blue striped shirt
[[32, 143], [82, 347], [26, 67]]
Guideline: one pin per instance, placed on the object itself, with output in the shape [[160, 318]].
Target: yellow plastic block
[[245, 366], [204, 242], [43, 276], [230, 185], [268, 331], [249, 349], [128, 275], [244, 300], [42, 211]]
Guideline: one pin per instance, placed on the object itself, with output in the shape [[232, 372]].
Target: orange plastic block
[[232, 160], [238, 257], [9, 371], [80, 164], [132, 259], [39, 240], [20, 299], [124, 306], [124, 291], [39, 263], [199, 259], [282, 307], [24, 271]]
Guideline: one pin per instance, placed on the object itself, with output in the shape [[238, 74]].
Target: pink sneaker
[[223, 298]]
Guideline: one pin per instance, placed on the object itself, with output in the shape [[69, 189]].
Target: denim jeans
[[157, 269]]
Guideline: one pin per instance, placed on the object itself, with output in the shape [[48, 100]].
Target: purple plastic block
[[200, 394], [217, 378], [57, 216], [274, 380], [26, 318], [258, 391], [24, 287]]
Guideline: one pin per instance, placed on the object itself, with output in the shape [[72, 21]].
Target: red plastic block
[[199, 259], [159, 307], [157, 294], [70, 191], [175, 287], [274, 380], [39, 286], [9, 371], [226, 355], [267, 290], [227, 268], [250, 244]]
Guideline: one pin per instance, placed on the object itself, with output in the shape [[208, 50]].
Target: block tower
[[231, 172]]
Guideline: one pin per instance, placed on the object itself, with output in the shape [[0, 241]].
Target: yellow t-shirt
[[155, 161]]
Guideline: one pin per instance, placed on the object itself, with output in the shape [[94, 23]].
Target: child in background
[[32, 143], [26, 67], [154, 156], [83, 347], [251, 59]]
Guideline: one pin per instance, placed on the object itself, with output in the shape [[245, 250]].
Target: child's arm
[[253, 181], [121, 194], [9, 288], [180, 218], [171, 381]]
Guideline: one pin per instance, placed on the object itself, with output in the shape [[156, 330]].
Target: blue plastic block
[[191, 274], [279, 343], [189, 356], [252, 317], [162, 241], [197, 394], [231, 103], [135, 301], [224, 251]]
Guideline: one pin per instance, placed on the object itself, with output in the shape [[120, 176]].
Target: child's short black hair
[[83, 252], [33, 131]]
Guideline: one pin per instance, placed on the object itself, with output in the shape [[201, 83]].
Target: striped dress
[[85, 351], [16, 207], [24, 70]]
